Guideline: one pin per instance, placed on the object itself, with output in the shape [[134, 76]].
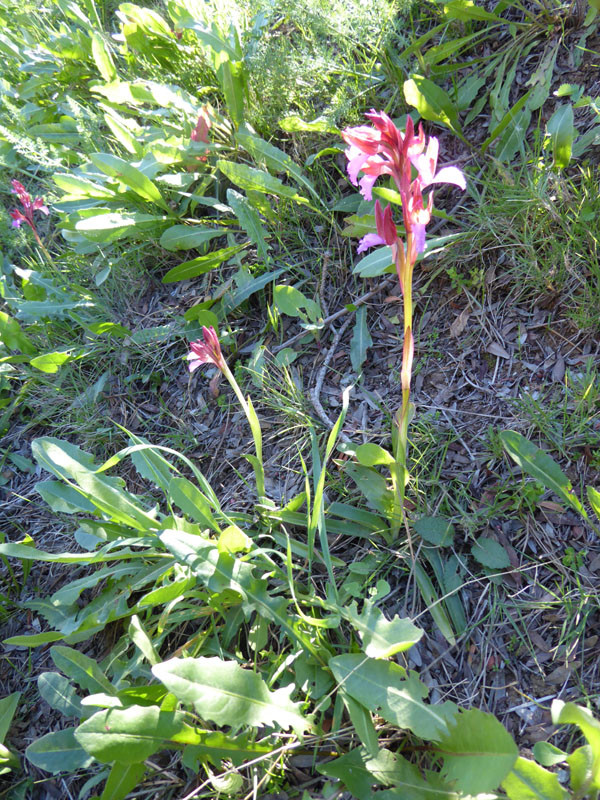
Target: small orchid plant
[[29, 206], [208, 351], [381, 149]]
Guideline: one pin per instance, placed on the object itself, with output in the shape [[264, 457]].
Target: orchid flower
[[29, 206], [207, 351], [200, 132], [384, 150]]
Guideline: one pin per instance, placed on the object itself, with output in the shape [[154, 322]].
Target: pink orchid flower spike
[[29, 206]]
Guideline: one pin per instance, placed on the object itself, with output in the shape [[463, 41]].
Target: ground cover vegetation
[[300, 427]]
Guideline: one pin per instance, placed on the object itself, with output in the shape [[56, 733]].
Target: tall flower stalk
[[381, 149], [208, 351], [26, 215]]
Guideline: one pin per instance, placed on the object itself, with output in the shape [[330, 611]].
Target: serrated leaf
[[540, 466], [529, 781], [478, 752], [58, 752], [257, 180], [227, 694], [387, 689], [59, 693], [186, 237], [131, 176], [381, 638], [435, 530], [490, 553], [130, 735], [361, 340]]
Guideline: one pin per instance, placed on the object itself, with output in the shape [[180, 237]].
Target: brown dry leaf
[[558, 371], [550, 505], [497, 350], [460, 323]]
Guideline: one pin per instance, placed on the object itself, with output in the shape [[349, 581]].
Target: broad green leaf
[[381, 638], [514, 137], [540, 466], [432, 102], [217, 747], [360, 771], [211, 37], [130, 735], [435, 530], [148, 19], [198, 266], [506, 119], [227, 694], [361, 340], [478, 752], [292, 302], [581, 768], [547, 754], [371, 455], [490, 553], [569, 713], [562, 132], [186, 496], [186, 237], [103, 58], [593, 496], [118, 222], [131, 176], [82, 669], [12, 337], [529, 781], [34, 639], [257, 180], [8, 706], [51, 362], [123, 778], [139, 636], [77, 186], [250, 221], [387, 689], [58, 752], [59, 693]]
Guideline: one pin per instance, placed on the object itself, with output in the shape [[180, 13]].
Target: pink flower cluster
[[29, 206], [384, 150]]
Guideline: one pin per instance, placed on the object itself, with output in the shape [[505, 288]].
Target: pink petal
[[366, 186], [418, 231], [451, 175], [370, 240]]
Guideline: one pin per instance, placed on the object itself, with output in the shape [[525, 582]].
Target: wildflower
[[29, 206], [387, 232], [200, 132], [207, 351]]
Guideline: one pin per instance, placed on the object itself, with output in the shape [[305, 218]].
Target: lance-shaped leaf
[[381, 638], [361, 340], [257, 180], [389, 690], [540, 466], [478, 752], [58, 752], [217, 747], [130, 735], [227, 694], [360, 771]]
